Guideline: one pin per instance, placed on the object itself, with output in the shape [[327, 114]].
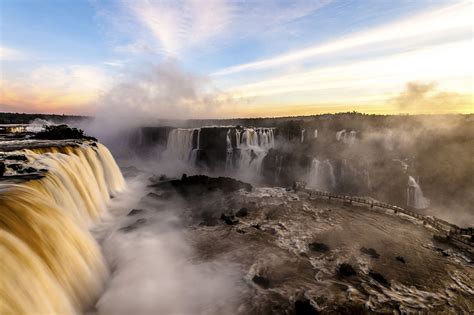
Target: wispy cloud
[[180, 24], [172, 28], [372, 81], [448, 20], [7, 53]]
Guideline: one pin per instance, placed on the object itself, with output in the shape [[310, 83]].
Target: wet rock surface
[[302, 255]]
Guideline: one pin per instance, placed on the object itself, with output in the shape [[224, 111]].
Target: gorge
[[78, 234]]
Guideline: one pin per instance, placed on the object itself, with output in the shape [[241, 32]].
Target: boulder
[[346, 270]]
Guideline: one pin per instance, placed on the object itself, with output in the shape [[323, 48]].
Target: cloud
[[7, 53], [424, 97], [363, 80], [456, 18], [49, 88], [181, 24], [173, 28], [157, 91]]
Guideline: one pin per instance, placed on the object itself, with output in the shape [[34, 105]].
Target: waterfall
[[180, 144], [50, 262], [253, 146], [345, 137], [315, 133], [415, 196], [321, 175], [340, 135], [230, 151], [303, 133]]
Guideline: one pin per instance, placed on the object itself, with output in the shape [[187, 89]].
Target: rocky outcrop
[[62, 132], [190, 186]]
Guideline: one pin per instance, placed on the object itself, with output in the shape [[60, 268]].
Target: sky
[[216, 58]]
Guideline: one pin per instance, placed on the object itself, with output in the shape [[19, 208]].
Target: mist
[[153, 264]]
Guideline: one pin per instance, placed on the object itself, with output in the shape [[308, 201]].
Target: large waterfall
[[253, 145], [180, 144], [50, 263], [321, 175]]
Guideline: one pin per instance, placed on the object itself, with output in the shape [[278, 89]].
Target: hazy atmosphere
[[236, 157]]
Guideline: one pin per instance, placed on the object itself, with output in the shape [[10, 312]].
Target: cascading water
[[345, 137], [50, 262], [180, 144], [415, 196], [230, 151], [321, 175], [194, 152], [303, 133], [253, 145]]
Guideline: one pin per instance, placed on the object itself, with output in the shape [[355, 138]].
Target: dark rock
[[133, 226], [135, 212], [240, 231], [242, 212], [346, 270], [304, 307], [61, 132], [256, 226], [379, 278], [15, 167], [318, 247], [442, 252], [370, 252], [198, 185], [400, 259], [208, 219], [28, 170], [16, 157], [2, 168], [229, 219], [261, 281]]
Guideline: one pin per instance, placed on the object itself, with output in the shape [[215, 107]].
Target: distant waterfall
[[315, 133], [303, 134], [50, 262], [180, 144], [415, 196], [230, 151], [321, 175], [346, 137], [253, 145]]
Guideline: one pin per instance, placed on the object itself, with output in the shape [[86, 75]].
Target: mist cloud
[[424, 97]]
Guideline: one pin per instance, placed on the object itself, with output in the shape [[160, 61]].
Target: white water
[[321, 176], [155, 267], [253, 146], [415, 196], [50, 262], [345, 137], [230, 151], [180, 144]]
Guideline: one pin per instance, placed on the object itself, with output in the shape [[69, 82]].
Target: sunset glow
[[301, 62]]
